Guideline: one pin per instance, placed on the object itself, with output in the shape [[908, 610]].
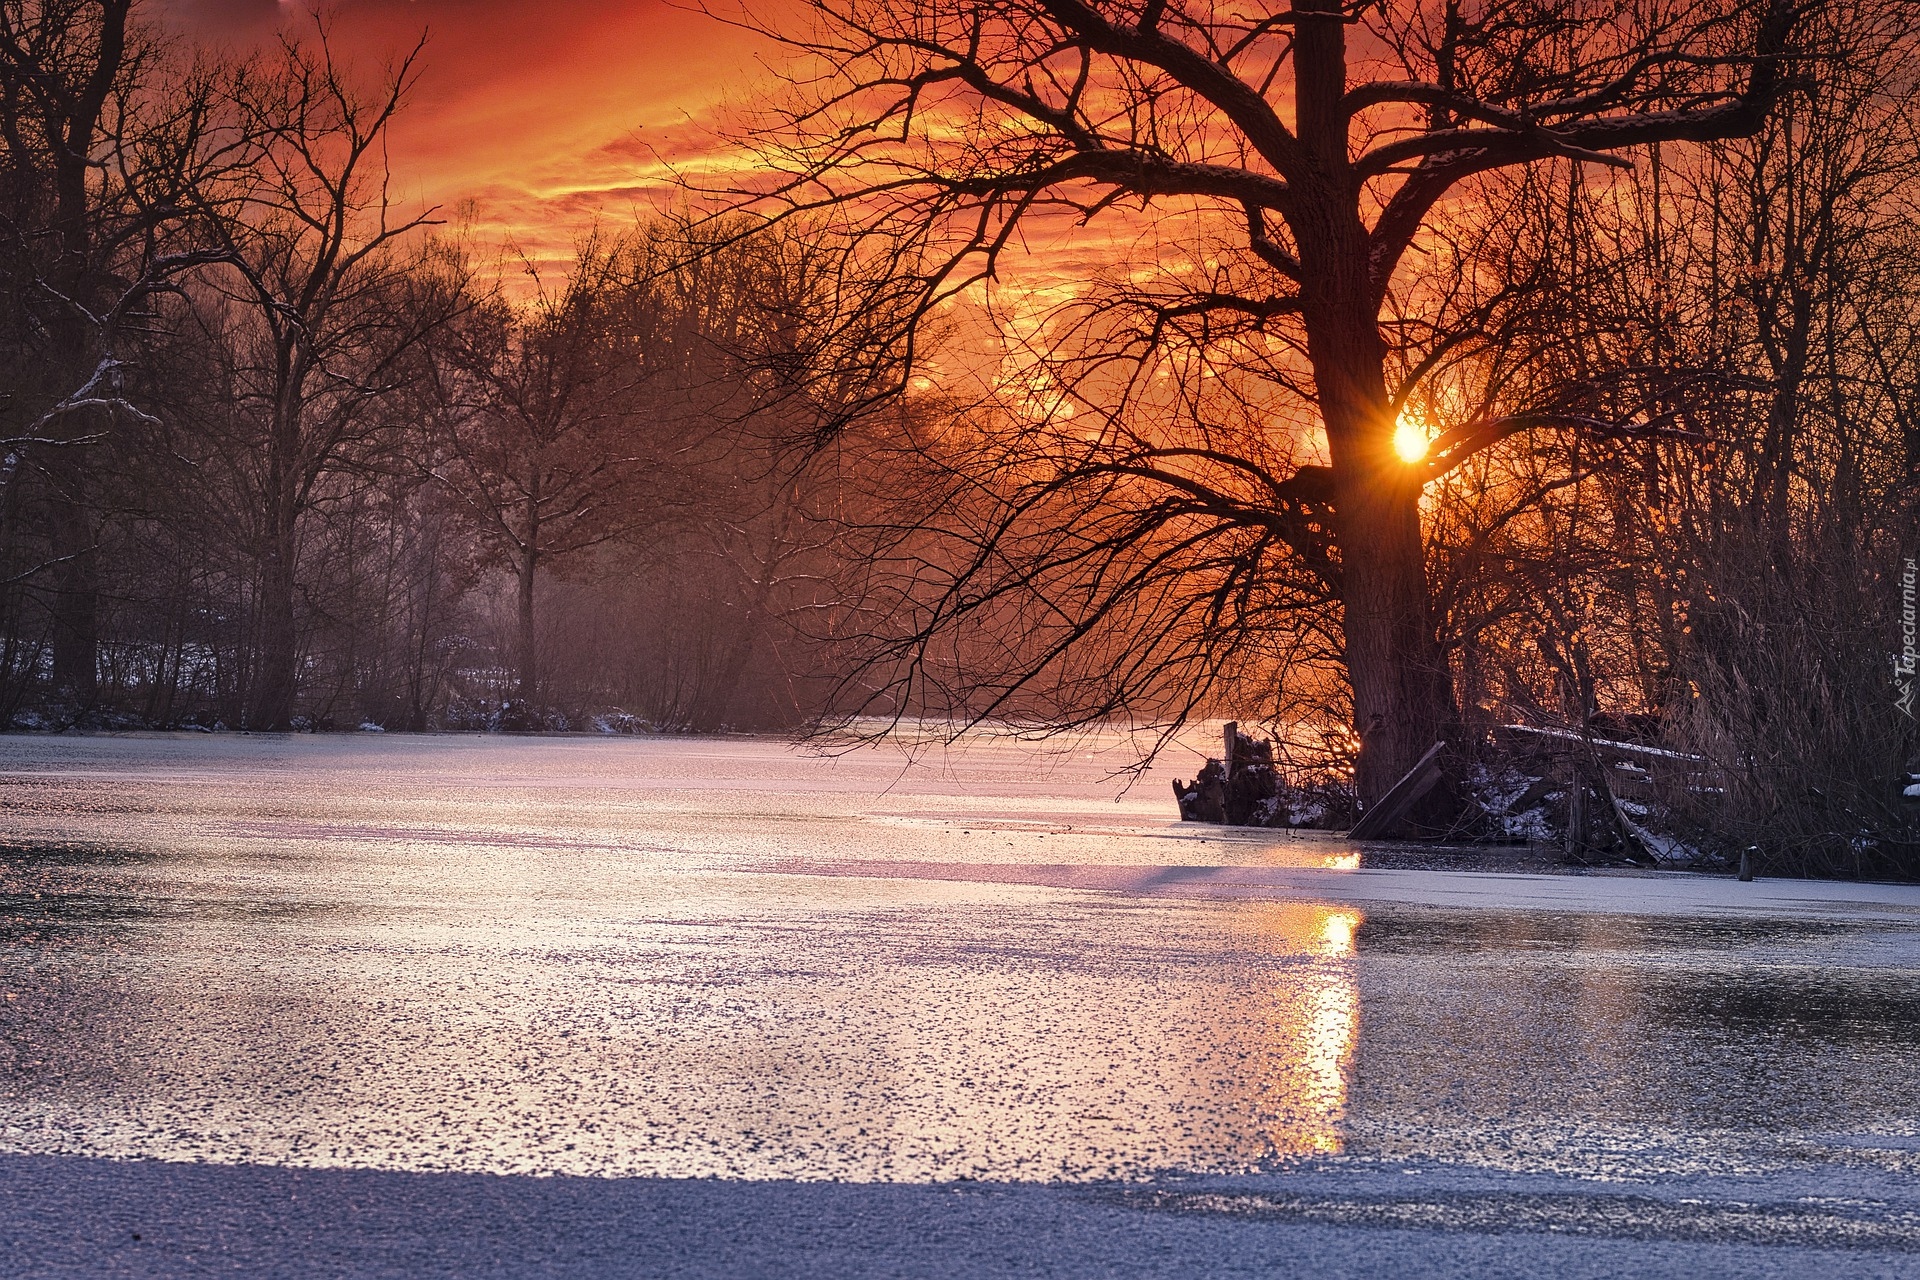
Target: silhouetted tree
[[324, 304], [545, 431], [1328, 132], [100, 143]]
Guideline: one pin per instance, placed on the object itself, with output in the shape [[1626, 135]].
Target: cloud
[[550, 117], [532, 123]]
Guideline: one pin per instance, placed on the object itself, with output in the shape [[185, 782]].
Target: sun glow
[[1410, 440]]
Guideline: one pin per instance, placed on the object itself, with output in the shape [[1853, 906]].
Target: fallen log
[[1568, 740], [1384, 814]]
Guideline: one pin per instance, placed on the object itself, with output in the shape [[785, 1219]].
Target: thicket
[[1654, 329]]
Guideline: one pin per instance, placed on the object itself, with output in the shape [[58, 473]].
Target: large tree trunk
[[277, 657], [1400, 691], [1401, 694], [529, 647], [74, 599], [274, 674]]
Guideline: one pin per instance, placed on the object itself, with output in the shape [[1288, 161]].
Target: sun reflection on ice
[[1312, 1028], [1339, 931]]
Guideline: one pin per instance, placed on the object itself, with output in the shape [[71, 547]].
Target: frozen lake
[[630, 962]]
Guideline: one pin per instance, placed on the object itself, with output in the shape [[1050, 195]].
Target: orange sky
[[534, 118], [543, 113]]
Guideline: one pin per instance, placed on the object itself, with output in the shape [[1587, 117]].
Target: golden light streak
[[1339, 932], [1311, 1029], [532, 124]]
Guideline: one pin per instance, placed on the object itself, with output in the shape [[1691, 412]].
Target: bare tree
[[544, 430], [64, 63], [102, 134], [1727, 583], [326, 300], [1327, 132], [781, 349]]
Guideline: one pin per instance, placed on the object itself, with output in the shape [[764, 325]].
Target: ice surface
[[666, 958]]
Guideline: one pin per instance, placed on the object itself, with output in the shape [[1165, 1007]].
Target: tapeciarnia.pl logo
[[1906, 670]]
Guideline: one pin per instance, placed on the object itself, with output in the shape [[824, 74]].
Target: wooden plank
[[1387, 811]]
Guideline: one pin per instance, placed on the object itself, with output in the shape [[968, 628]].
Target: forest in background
[[280, 454]]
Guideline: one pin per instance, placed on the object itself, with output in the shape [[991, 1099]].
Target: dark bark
[[276, 666], [1400, 696], [529, 643], [71, 102], [275, 677], [74, 598]]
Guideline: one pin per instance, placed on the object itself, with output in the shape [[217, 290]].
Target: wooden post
[[1576, 814]]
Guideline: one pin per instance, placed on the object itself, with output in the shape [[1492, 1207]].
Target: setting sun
[[1410, 441]]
